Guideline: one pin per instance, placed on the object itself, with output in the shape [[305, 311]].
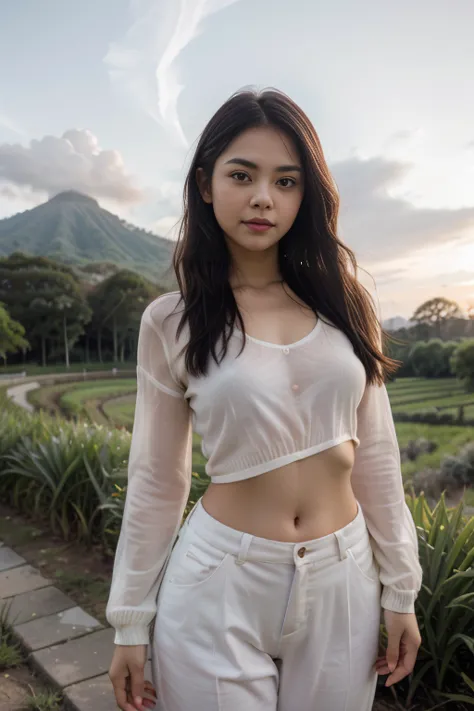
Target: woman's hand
[[127, 676], [404, 640]]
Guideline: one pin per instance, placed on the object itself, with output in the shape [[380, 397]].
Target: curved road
[[18, 394]]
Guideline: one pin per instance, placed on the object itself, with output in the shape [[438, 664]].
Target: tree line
[[47, 313]]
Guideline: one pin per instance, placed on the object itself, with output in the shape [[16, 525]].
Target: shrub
[[428, 481], [462, 363], [445, 605], [467, 456], [454, 473], [10, 651], [426, 358], [415, 447], [71, 474], [432, 417], [61, 471]]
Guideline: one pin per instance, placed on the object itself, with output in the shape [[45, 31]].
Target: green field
[[112, 402], [85, 399], [443, 394], [121, 410]]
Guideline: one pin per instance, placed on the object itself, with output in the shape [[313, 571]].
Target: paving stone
[[78, 659], [97, 693], [20, 580], [35, 604], [9, 559], [56, 628], [94, 694]]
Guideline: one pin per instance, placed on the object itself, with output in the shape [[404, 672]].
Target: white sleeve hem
[[132, 635], [399, 600]]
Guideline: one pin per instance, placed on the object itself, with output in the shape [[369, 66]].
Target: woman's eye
[[292, 181], [234, 174], [241, 178]]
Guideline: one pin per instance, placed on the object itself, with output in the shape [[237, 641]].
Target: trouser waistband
[[245, 546]]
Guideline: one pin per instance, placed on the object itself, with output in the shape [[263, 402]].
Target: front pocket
[[365, 564], [196, 565]]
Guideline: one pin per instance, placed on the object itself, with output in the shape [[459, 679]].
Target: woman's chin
[[253, 243]]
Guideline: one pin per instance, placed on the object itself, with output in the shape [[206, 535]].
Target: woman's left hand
[[404, 640]]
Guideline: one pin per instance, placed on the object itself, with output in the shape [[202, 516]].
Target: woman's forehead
[[265, 146]]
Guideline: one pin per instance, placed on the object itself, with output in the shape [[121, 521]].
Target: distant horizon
[[96, 201]]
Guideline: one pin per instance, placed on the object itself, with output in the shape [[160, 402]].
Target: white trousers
[[249, 624]]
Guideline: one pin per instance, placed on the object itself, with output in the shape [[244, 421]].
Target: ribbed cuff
[[399, 600], [132, 634]]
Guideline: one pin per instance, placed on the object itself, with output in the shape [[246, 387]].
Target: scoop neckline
[[285, 346]]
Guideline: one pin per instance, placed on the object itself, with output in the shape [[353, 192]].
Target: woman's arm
[[378, 486], [159, 479]]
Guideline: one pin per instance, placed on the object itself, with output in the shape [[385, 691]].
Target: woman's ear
[[203, 185]]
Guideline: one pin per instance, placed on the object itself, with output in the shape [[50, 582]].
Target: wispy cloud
[[144, 62], [75, 161], [380, 227]]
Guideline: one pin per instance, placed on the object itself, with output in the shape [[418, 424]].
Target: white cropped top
[[268, 407]]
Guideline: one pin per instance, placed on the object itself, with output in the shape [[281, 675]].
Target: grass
[[121, 411], [47, 397], [44, 701], [81, 392], [449, 438], [441, 402], [112, 402], [400, 398], [13, 667], [87, 398], [10, 654], [417, 395], [75, 583], [468, 411]]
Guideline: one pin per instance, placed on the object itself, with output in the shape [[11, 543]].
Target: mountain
[[74, 229], [396, 322]]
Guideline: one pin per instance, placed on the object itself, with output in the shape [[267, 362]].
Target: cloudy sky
[[110, 97]]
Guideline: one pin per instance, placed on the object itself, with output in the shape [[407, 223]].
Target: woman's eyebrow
[[249, 164]]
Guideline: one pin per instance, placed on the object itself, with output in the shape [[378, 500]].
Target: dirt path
[[18, 395]]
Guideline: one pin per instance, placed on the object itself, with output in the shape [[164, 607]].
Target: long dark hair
[[315, 264]]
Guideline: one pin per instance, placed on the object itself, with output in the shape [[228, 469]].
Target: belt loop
[[245, 542], [341, 544]]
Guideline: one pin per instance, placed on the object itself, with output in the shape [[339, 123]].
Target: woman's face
[[259, 175]]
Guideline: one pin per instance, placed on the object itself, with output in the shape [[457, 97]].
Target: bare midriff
[[300, 501], [308, 498]]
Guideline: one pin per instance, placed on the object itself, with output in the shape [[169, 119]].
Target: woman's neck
[[254, 270]]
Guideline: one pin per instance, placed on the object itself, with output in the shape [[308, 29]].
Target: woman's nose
[[262, 199]]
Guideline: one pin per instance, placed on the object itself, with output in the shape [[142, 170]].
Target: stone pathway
[[71, 649], [18, 395]]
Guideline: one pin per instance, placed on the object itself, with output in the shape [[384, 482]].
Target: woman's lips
[[257, 226]]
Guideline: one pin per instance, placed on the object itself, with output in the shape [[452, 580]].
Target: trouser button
[[301, 552]]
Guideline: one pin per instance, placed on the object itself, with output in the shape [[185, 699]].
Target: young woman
[[271, 350]]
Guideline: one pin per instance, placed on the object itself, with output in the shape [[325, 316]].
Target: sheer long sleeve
[[378, 486], [159, 479]]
